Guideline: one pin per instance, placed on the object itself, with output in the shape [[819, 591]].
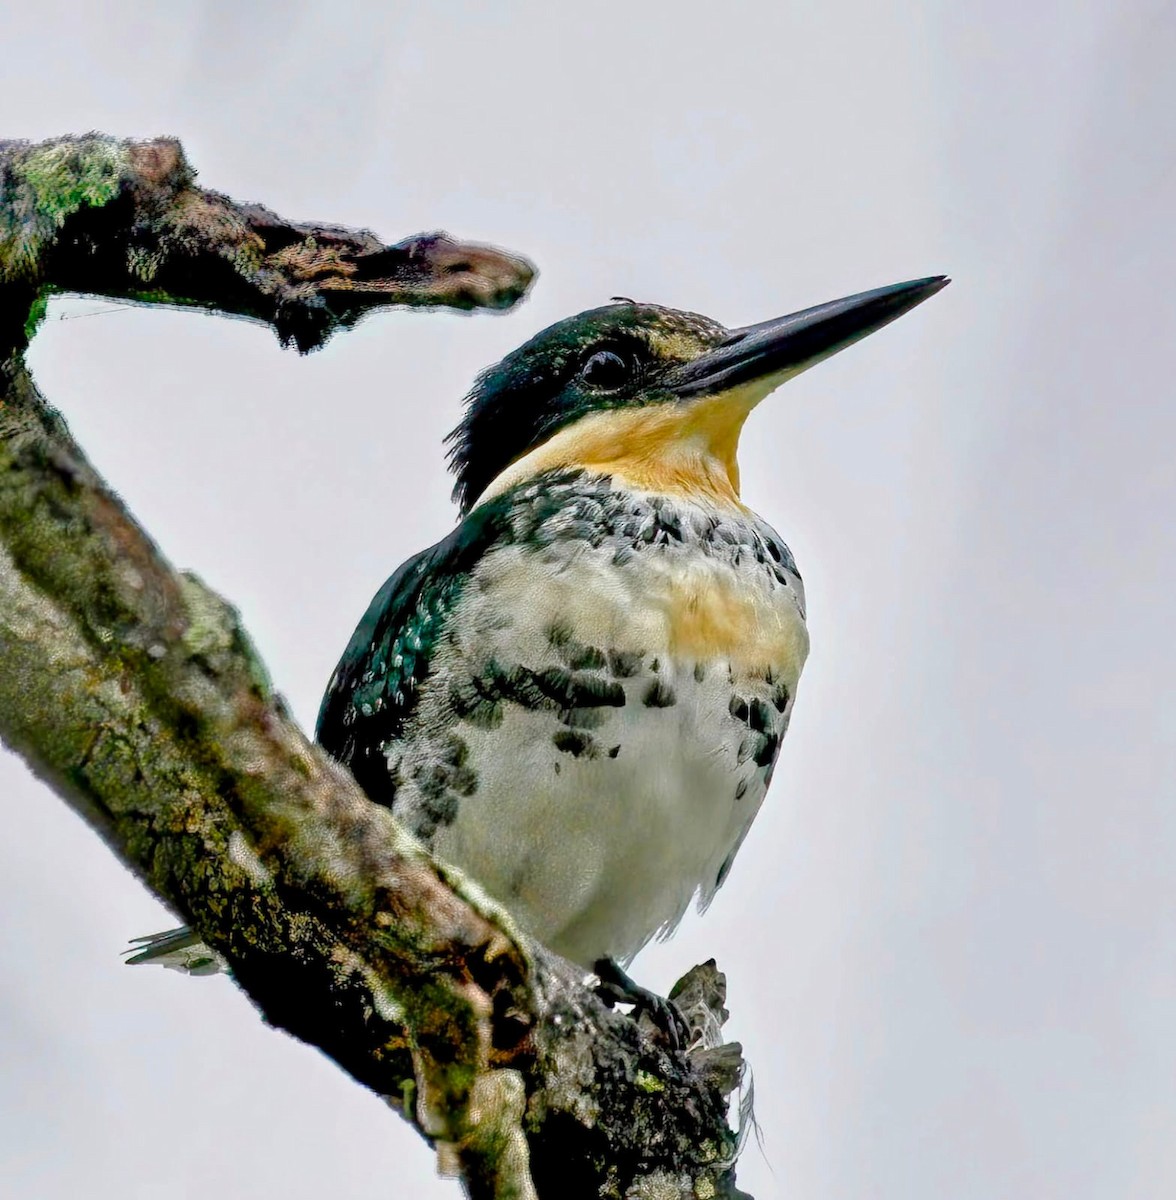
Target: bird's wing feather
[[375, 686], [179, 949]]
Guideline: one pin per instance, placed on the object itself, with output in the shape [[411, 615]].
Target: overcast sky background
[[951, 937]]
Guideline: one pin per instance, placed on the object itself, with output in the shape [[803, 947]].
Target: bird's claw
[[614, 987]]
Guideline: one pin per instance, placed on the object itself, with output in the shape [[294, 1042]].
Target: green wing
[[376, 684]]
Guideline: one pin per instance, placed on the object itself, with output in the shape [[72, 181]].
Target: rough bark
[[135, 694]]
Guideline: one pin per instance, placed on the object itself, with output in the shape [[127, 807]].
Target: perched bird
[[578, 696]]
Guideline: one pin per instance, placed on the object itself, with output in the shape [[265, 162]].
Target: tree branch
[[136, 695]]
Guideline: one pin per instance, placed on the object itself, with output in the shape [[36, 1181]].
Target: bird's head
[[655, 396]]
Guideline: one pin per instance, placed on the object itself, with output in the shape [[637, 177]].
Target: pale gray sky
[[951, 935]]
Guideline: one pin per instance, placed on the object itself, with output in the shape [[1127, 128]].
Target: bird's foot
[[616, 987]]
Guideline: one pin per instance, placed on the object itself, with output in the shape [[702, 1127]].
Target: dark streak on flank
[[762, 717], [624, 665], [659, 695], [579, 656], [578, 745]]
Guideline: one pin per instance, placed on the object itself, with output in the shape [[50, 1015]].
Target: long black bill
[[800, 340]]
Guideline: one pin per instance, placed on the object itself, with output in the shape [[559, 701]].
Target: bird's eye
[[605, 370]]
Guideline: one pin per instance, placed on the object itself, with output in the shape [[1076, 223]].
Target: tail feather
[[177, 949]]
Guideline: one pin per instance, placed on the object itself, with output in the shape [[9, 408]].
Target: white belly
[[597, 852]]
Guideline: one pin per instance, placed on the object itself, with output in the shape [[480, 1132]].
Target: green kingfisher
[[578, 696]]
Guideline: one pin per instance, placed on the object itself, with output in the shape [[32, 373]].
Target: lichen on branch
[[140, 229]]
